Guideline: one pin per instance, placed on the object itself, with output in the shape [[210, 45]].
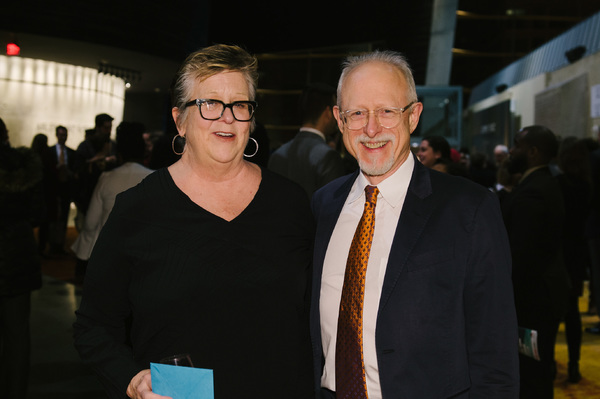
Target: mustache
[[385, 136]]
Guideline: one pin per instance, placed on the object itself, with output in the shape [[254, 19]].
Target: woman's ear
[[176, 114]]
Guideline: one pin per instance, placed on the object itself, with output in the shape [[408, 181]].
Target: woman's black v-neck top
[[168, 277]]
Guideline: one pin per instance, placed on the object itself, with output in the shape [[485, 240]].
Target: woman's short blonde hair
[[208, 62]]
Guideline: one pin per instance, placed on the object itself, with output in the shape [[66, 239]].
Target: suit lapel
[[328, 218], [416, 210], [54, 153]]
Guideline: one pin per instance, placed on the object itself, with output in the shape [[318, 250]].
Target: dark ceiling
[[173, 28], [490, 35], [486, 39]]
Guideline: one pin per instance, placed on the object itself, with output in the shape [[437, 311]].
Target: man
[[500, 154], [60, 163], [307, 159], [96, 154], [131, 148], [534, 216], [438, 318], [96, 139]]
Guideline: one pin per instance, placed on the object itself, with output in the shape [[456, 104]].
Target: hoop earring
[[173, 144], [255, 151]]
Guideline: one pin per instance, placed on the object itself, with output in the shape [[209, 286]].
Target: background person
[[592, 232], [61, 173], [208, 257], [434, 149], [39, 144], [130, 149], [21, 204], [534, 215], [576, 185], [96, 154], [500, 154], [307, 159]]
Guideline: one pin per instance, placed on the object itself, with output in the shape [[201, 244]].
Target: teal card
[[182, 382]]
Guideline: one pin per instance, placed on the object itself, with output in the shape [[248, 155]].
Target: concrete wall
[[523, 98]]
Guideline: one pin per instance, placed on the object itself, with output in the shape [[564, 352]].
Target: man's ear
[[326, 115], [533, 152], [415, 115], [338, 118]]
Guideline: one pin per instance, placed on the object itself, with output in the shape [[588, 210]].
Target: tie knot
[[371, 193]]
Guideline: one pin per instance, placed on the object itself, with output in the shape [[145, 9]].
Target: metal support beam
[[443, 24]]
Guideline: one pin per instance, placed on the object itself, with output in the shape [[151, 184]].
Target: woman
[[434, 149], [209, 256], [39, 144]]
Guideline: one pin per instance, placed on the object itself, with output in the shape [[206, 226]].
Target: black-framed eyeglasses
[[211, 110], [388, 117]]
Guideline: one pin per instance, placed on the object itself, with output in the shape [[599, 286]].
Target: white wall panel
[[39, 95]]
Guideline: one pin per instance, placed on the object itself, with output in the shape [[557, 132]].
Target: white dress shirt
[[58, 148], [314, 131], [392, 192]]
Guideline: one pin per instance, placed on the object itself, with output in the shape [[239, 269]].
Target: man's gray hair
[[389, 57]]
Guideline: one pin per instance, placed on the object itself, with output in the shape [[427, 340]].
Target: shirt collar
[[530, 171], [393, 189], [313, 130]]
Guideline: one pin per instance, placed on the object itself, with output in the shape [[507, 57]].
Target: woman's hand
[[140, 387]]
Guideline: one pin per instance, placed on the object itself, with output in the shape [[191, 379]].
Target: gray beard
[[372, 170]]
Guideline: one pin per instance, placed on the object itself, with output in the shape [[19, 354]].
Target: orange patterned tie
[[350, 379]]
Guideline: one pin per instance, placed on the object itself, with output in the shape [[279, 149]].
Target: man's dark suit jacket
[[446, 325], [534, 216], [71, 157], [60, 185], [308, 161]]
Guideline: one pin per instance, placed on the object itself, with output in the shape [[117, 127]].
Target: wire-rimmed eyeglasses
[[388, 117], [211, 110]]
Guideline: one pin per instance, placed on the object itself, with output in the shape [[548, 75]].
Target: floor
[[57, 373], [589, 386]]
